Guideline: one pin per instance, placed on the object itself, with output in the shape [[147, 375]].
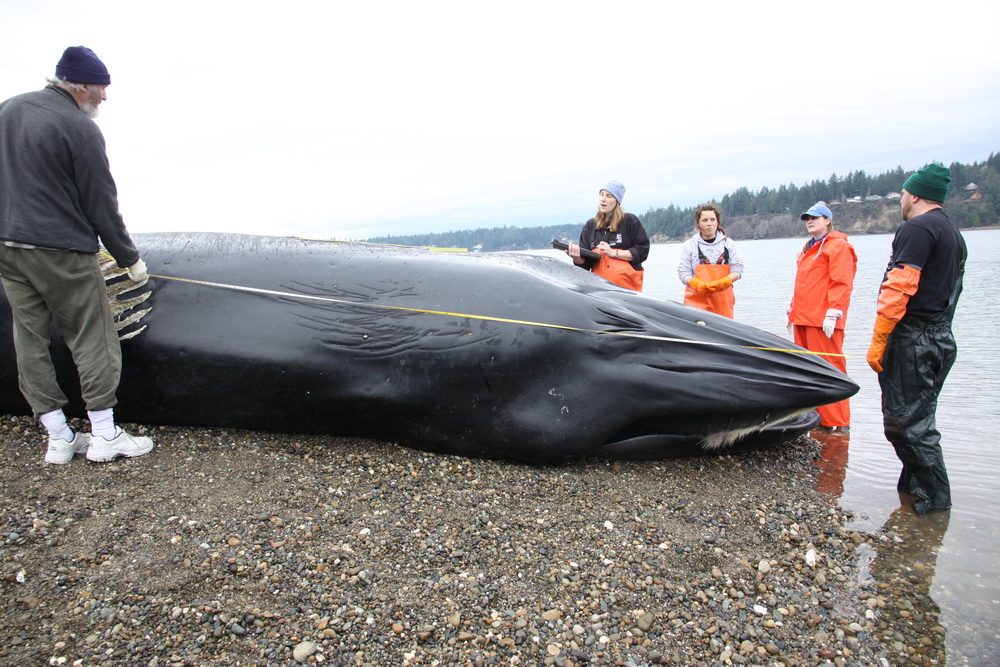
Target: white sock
[[102, 423], [55, 423]]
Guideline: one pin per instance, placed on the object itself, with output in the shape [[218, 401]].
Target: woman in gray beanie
[[618, 239]]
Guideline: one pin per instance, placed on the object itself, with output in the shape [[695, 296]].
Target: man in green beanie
[[913, 347]]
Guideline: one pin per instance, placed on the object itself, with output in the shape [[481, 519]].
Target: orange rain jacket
[[824, 280]]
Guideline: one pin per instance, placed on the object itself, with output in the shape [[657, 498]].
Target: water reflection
[[902, 567], [832, 462], [904, 572]]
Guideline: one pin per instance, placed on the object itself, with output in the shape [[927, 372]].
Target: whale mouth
[[650, 446]]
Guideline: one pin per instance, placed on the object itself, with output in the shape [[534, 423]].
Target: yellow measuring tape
[[290, 295]]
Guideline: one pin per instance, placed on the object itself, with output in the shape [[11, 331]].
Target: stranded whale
[[490, 355]]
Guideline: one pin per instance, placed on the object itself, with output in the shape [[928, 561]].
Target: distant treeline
[[861, 204]]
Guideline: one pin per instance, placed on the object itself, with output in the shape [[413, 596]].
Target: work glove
[[830, 322], [137, 272], [699, 286], [720, 284], [880, 336]]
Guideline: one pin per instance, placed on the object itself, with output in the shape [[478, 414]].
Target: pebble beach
[[230, 547]]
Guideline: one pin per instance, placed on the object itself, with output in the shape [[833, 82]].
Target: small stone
[[303, 650]]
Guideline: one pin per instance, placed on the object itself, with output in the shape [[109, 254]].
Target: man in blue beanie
[[58, 203], [913, 347]]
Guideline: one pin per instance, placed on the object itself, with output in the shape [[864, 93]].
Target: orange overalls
[[618, 271], [721, 303]]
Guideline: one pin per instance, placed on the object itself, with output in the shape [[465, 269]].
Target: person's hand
[[880, 336], [721, 284], [791, 329], [137, 272], [603, 247], [573, 250], [698, 285], [830, 321]]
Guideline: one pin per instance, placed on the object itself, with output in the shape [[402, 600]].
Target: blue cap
[[816, 211], [81, 65], [616, 189]]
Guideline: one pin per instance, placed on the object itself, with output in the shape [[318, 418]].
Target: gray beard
[[89, 110]]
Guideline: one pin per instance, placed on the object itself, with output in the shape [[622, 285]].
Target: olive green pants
[[69, 287]]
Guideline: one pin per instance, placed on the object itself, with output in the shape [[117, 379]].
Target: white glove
[[791, 329], [137, 272], [830, 322]]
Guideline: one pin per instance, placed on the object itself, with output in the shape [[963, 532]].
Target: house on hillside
[[971, 186], [873, 197], [835, 202], [894, 195], [854, 200], [976, 195]]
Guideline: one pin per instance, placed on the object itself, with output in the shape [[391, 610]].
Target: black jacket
[[631, 235]]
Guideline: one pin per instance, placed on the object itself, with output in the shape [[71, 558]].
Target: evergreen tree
[[767, 213]]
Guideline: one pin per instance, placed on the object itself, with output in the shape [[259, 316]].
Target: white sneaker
[[124, 444], [61, 451]]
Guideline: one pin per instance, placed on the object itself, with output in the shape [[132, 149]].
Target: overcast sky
[[351, 120]]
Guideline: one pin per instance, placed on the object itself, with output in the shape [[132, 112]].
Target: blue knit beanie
[[616, 189], [81, 65]]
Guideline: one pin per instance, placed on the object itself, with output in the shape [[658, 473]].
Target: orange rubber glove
[[880, 336], [720, 284], [699, 286]]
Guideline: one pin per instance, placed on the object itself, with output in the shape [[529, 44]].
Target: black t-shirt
[[932, 244]]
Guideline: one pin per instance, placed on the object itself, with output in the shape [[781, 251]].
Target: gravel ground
[[230, 547]]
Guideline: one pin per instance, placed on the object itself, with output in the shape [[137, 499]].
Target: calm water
[[862, 469]]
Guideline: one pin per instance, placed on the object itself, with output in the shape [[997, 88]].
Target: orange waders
[[813, 338], [721, 303], [618, 271]]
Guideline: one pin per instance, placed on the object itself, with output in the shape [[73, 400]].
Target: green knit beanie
[[931, 182]]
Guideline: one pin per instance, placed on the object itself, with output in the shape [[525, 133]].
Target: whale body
[[499, 355]]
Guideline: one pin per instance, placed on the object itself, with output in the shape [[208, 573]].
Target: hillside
[[861, 204], [866, 218]]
